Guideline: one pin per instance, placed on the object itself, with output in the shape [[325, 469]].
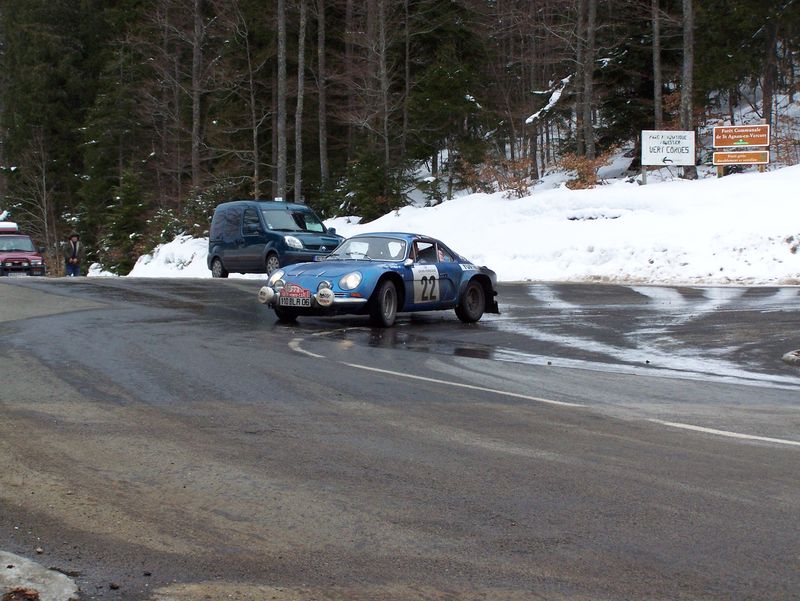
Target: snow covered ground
[[740, 229]]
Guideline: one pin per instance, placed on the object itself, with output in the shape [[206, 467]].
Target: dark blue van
[[259, 236]]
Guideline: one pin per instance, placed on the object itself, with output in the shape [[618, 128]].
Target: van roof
[[264, 203]]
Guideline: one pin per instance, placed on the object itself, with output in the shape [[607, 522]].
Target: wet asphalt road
[[170, 439]]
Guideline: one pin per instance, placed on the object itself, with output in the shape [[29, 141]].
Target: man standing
[[73, 255]]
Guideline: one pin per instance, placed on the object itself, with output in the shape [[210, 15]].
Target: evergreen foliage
[[139, 115]]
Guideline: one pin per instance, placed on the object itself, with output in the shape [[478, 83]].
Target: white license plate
[[294, 301]]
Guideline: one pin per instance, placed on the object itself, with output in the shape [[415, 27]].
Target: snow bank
[[739, 229]]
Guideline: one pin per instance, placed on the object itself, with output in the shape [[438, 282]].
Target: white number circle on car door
[[426, 283]]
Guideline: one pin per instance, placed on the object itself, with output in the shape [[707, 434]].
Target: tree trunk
[[324, 169], [658, 102], [298, 115], [687, 79], [407, 77], [383, 77], [197, 68], [770, 67], [588, 79], [580, 146], [281, 133], [348, 59], [534, 139], [254, 120]]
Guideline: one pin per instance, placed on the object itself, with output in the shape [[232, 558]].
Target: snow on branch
[[555, 95]]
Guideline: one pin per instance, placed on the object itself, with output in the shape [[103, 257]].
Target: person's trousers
[[73, 270]]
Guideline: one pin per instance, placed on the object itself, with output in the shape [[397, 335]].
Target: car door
[[429, 280], [251, 253], [231, 238], [449, 273]]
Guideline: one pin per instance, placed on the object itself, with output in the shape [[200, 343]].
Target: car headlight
[[276, 275], [36, 262], [292, 242], [350, 281]]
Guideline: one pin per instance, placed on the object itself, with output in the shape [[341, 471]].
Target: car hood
[[9, 255], [314, 239], [332, 269]]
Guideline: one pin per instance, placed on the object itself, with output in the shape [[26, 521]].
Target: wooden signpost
[[747, 137], [748, 157], [741, 136]]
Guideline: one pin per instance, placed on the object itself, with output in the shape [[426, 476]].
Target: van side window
[[251, 221], [217, 224], [231, 225]]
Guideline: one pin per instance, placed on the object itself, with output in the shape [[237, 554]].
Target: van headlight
[[292, 242], [276, 275], [350, 281]]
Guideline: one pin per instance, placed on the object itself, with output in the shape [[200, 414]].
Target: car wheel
[[472, 304], [273, 263], [218, 269], [286, 315], [383, 307]]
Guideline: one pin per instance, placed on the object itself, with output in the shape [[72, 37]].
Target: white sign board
[[666, 148]]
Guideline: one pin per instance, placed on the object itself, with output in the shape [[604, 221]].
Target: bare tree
[[197, 42], [687, 79], [34, 204], [298, 115], [322, 82], [281, 100], [658, 102], [588, 78]]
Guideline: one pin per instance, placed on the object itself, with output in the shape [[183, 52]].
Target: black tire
[[383, 306], [272, 263], [286, 315], [472, 303], [218, 269]]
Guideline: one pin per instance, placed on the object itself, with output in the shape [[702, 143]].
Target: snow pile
[[739, 229]]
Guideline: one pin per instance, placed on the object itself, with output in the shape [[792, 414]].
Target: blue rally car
[[380, 275]]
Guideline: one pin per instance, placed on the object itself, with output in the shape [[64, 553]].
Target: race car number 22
[[426, 285]]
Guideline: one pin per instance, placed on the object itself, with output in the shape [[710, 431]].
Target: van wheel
[[218, 269], [383, 306], [285, 315], [273, 263]]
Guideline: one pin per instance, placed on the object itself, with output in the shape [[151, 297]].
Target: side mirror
[[332, 231], [408, 262]]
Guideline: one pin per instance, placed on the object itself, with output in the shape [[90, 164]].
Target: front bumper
[[320, 302], [21, 272]]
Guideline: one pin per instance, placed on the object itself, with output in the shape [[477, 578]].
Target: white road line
[[793, 443], [295, 346], [460, 385]]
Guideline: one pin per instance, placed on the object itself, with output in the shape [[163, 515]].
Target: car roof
[[407, 236], [267, 203], [8, 227]]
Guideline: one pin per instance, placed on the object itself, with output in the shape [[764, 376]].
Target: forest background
[[129, 120]]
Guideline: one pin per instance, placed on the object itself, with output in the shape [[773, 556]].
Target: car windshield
[[16, 243], [371, 249], [282, 220]]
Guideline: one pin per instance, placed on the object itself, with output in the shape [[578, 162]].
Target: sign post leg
[[644, 175]]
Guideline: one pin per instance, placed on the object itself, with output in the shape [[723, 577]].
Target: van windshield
[[282, 220]]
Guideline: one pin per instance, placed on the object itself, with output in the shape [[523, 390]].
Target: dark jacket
[[79, 252]]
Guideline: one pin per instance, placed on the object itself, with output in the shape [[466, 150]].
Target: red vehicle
[[18, 256]]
